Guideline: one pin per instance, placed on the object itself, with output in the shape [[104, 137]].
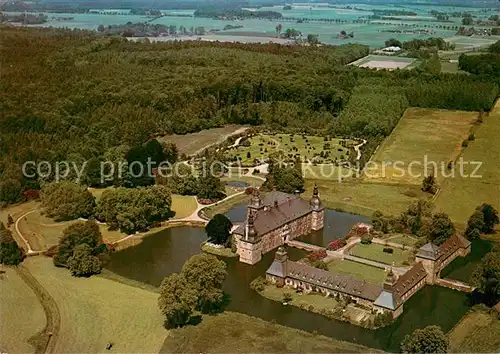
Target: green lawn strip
[[403, 240], [232, 332], [375, 252], [358, 270]]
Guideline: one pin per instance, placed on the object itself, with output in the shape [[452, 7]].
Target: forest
[[77, 95]]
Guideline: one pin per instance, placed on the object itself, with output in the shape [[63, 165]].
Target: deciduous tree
[[218, 230], [82, 262], [67, 200], [430, 339]]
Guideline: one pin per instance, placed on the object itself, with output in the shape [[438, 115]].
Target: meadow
[[231, 332], [307, 147], [421, 136], [467, 193], [364, 198], [21, 314], [96, 311], [193, 143], [477, 332]]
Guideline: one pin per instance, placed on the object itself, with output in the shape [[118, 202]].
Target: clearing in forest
[[257, 149], [422, 135], [383, 62], [193, 143], [460, 196]]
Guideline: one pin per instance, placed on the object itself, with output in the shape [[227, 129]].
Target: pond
[[165, 252], [237, 184]]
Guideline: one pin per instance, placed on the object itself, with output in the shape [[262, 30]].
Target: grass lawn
[[431, 133], [375, 252], [329, 172], [261, 146], [253, 181], [313, 301], [193, 143], [231, 332], [96, 311], [477, 332], [364, 198], [43, 232], [21, 314], [404, 240], [358, 270], [183, 205], [460, 196]]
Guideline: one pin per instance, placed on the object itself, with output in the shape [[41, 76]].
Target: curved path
[[48, 303]]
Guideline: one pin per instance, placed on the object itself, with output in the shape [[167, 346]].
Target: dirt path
[[45, 340], [18, 231]]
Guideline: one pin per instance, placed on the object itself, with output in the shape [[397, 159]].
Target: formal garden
[[257, 149]]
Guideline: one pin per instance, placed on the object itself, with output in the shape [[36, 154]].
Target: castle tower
[[277, 272], [255, 203], [250, 245], [318, 211], [390, 281]]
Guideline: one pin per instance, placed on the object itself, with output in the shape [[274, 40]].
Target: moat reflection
[[165, 252]]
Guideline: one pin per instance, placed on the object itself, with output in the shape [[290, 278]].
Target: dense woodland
[[76, 95]]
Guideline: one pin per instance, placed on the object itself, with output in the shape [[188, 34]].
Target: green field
[[43, 232], [404, 240], [364, 198], [459, 196], [194, 143], [375, 252], [21, 314], [224, 207], [96, 311], [361, 271], [307, 147], [432, 134], [231, 332], [183, 205], [477, 332]]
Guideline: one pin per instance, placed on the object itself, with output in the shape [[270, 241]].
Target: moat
[[165, 252]]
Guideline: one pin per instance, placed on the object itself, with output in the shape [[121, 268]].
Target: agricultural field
[[193, 143], [231, 332], [21, 314], [96, 311], [422, 135], [467, 193], [383, 62], [364, 198], [477, 332], [308, 148], [361, 271], [375, 252]]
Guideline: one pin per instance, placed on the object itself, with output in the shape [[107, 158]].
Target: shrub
[[388, 250], [471, 137], [249, 190], [258, 284], [287, 297], [465, 143], [336, 244], [317, 255], [366, 240], [320, 265]]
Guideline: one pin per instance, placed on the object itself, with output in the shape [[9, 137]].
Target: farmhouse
[[391, 296], [278, 218]]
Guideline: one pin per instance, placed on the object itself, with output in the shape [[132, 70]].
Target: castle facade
[[274, 220]]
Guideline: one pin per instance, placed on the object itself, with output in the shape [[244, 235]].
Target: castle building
[[274, 220], [435, 258], [390, 296]]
